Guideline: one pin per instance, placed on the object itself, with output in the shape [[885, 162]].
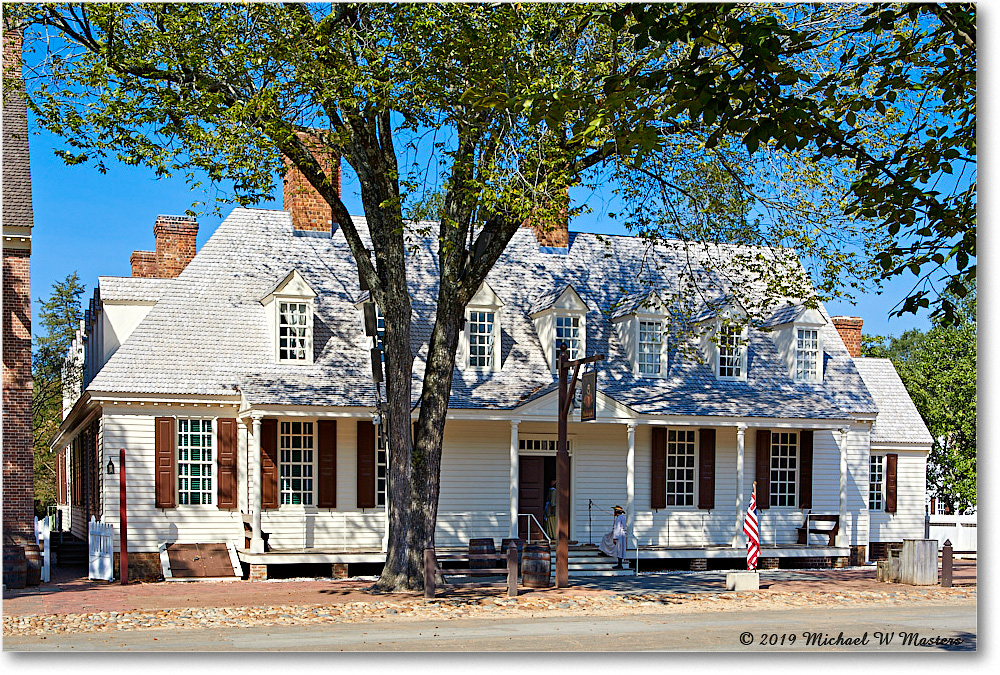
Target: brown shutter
[[806, 469], [890, 482], [326, 462], [706, 468], [166, 439], [269, 463], [75, 468], [658, 489], [61, 476], [763, 469], [366, 464], [226, 480]]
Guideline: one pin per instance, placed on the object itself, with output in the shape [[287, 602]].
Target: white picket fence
[[101, 544], [960, 530], [43, 535]]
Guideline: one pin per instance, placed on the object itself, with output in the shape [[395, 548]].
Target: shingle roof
[[783, 315], [898, 420], [132, 289], [17, 210], [632, 303], [208, 333]]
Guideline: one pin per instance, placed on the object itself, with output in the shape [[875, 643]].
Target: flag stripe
[[750, 528]]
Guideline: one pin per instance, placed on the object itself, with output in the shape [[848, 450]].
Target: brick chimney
[[310, 212], [554, 230], [176, 243], [849, 328]]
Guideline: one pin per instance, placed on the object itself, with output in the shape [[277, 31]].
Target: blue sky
[[90, 223]]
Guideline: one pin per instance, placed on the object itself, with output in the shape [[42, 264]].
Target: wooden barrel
[[518, 544], [33, 560], [14, 566], [535, 566], [482, 546]]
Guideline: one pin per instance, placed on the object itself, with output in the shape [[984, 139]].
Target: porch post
[[630, 479], [740, 453], [842, 533], [515, 472], [256, 541]]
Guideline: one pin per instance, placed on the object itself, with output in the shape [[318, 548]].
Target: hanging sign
[[588, 409]]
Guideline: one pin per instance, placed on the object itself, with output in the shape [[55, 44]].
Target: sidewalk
[[69, 593]]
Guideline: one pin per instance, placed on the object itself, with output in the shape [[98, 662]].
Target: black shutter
[[763, 470], [706, 468], [658, 488], [366, 464], [326, 461], [806, 469], [891, 462]]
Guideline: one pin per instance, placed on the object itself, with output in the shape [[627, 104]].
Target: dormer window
[[640, 321], [289, 309], [807, 355], [650, 347], [567, 333], [560, 318], [294, 331], [732, 353], [479, 344]]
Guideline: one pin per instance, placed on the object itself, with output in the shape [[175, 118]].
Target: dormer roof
[[794, 314], [713, 309], [640, 301], [292, 285], [486, 296], [563, 297]]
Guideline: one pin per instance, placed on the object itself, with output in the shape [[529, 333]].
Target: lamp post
[[566, 389]]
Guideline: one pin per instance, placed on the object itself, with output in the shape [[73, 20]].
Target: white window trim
[[693, 506], [215, 461], [881, 483], [562, 314], [315, 474], [638, 318], [796, 327], [744, 343], [798, 469], [495, 356], [278, 300]]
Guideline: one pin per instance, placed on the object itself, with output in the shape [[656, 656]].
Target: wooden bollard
[[947, 553], [511, 571], [430, 563]]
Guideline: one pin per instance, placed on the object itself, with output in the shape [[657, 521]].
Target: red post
[[562, 474], [123, 534]]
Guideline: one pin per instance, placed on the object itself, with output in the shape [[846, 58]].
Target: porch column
[[630, 479], [515, 471], [842, 533], [740, 453], [256, 541]]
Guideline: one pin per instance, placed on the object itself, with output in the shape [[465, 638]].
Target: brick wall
[[849, 328], [552, 231], [176, 243], [144, 263], [310, 211]]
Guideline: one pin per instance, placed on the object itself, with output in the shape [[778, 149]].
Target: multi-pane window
[[480, 330], [568, 333], [194, 461], [536, 445], [296, 442], [380, 332], [807, 355], [293, 331], [680, 467], [784, 467], [650, 337], [381, 467], [876, 473], [731, 352]]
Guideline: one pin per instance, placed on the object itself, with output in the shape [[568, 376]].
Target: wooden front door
[[537, 473]]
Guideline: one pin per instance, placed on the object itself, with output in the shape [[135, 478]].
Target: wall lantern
[[111, 467]]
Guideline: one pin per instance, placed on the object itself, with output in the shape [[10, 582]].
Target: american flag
[[750, 528]]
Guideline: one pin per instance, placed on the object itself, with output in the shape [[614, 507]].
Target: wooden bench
[[830, 529], [248, 533], [432, 569]]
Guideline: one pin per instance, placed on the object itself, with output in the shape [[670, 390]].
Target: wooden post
[[429, 569], [946, 564], [511, 571], [122, 505]]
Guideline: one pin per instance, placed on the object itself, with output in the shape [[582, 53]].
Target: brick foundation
[[258, 572], [698, 564], [142, 566], [768, 563], [339, 570]]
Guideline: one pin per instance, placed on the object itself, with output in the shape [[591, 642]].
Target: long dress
[[613, 543]]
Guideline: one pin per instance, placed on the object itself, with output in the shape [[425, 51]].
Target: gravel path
[[468, 606]]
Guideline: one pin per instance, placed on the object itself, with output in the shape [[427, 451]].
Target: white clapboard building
[[246, 364]]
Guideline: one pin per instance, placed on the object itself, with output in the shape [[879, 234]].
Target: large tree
[[486, 115], [59, 316], [938, 368]]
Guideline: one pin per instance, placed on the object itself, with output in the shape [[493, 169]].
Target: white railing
[[43, 535], [541, 530], [960, 530], [101, 542]]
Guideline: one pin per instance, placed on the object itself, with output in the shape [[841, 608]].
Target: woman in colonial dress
[[613, 543]]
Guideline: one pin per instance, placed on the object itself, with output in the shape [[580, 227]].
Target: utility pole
[[566, 390]]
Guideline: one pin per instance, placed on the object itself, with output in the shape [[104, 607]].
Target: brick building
[[18, 469]]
